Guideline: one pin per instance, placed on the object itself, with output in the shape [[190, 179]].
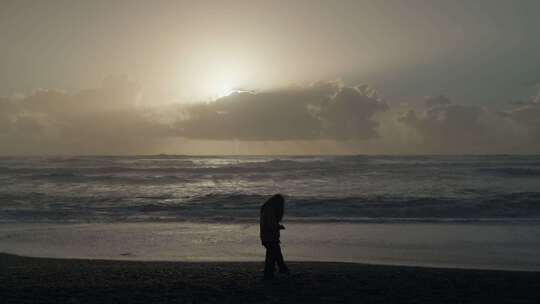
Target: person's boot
[[268, 277], [284, 270], [268, 273]]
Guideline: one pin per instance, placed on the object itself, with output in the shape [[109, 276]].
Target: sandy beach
[[45, 280], [305, 151]]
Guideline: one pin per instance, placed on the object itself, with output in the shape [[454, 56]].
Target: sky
[[269, 77]]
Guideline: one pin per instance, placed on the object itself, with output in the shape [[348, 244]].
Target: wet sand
[[45, 280], [468, 246]]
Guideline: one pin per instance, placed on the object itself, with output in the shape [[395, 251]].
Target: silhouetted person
[[271, 215]]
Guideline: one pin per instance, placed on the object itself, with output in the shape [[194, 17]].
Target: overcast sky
[[130, 77]]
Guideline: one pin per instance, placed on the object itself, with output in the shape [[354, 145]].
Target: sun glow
[[224, 90]]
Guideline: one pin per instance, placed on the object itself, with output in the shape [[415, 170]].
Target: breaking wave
[[333, 188], [241, 208]]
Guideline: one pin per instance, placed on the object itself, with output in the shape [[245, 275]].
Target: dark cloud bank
[[447, 127], [113, 120], [320, 111], [103, 120]]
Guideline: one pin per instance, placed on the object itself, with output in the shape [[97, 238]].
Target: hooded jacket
[[269, 222]]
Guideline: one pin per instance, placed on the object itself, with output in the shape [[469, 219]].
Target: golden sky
[[145, 69]]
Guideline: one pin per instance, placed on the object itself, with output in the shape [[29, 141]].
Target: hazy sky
[[135, 65]]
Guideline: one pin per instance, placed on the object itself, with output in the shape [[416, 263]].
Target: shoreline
[[49, 280], [464, 246], [128, 257]]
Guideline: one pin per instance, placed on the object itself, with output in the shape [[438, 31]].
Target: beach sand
[[45, 280]]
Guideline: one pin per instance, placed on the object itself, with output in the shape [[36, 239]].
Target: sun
[[224, 90]]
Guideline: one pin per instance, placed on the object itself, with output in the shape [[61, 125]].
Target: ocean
[[442, 211], [231, 189]]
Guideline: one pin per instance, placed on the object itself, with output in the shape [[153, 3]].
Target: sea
[[475, 211], [231, 189]]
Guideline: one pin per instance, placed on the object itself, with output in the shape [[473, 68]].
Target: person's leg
[[269, 262], [279, 260]]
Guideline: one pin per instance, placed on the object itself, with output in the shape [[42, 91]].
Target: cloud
[[102, 120], [526, 114], [447, 127], [325, 117], [323, 110]]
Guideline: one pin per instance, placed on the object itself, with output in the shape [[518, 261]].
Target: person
[[270, 218]]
